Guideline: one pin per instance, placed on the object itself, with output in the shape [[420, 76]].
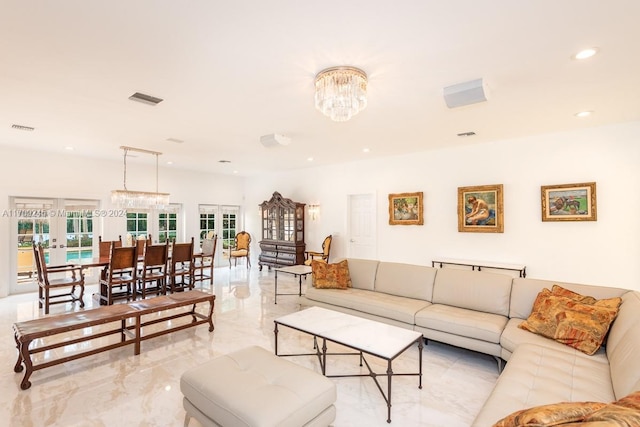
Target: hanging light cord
[[125, 168]]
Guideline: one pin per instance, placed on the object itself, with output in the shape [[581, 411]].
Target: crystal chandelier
[[341, 92], [139, 199]]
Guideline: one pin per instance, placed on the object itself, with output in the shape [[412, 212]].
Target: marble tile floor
[[117, 388]]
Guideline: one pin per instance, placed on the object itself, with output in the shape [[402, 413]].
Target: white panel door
[[362, 226]]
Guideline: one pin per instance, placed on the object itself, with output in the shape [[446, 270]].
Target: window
[[228, 228], [207, 222], [167, 227], [79, 235], [137, 224]]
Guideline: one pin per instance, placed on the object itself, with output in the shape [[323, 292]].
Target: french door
[[64, 227], [224, 222]]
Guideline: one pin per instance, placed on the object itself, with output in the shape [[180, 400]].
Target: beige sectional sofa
[[481, 311]]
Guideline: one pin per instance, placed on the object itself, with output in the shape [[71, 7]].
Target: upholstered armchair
[[324, 255], [241, 248]]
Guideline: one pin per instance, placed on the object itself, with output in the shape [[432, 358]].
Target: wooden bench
[[39, 335]]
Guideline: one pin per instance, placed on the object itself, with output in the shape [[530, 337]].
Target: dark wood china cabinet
[[282, 241]]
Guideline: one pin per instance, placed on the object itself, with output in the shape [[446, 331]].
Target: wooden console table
[[33, 336], [520, 268]]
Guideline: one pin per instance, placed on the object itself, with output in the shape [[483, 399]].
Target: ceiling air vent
[[466, 134], [145, 99], [20, 127]]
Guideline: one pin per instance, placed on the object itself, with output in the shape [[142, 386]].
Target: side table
[[298, 271]]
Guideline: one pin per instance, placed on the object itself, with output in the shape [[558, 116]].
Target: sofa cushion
[[330, 276], [623, 346], [463, 322], [375, 303], [571, 322], [405, 280], [539, 375], [363, 273], [480, 291]]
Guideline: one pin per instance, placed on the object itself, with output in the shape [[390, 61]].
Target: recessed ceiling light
[[586, 53], [169, 162], [365, 150], [235, 171], [68, 148], [584, 113], [309, 159]]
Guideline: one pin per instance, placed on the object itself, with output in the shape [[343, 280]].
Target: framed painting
[[480, 209], [569, 202], [406, 209]]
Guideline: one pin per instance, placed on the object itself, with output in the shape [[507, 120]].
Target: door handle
[[61, 246], [352, 241]]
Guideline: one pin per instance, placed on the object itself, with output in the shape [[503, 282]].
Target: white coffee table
[[298, 271], [365, 336]]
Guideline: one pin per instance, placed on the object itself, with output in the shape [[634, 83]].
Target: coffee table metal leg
[[389, 377], [275, 296], [275, 334], [420, 362], [300, 285]]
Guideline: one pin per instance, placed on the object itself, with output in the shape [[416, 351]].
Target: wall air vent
[[145, 99], [20, 127]]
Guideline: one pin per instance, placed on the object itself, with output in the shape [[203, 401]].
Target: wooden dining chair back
[[104, 246], [121, 275], [153, 272], [181, 267], [57, 277], [323, 255], [203, 262], [141, 242], [241, 248]]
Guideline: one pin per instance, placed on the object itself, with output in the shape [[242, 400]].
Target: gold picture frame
[[480, 209], [569, 202], [406, 209]]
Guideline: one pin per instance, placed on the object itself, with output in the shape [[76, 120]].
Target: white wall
[[60, 175], [605, 252]]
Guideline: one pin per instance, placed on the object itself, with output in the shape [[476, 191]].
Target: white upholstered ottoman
[[253, 387]]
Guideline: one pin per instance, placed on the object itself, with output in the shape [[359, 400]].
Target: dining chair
[[49, 279], [240, 249], [104, 246], [323, 255], [120, 278], [153, 271], [181, 267], [203, 262], [141, 241]]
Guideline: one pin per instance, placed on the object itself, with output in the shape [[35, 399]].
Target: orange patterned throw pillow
[[622, 413], [576, 320], [330, 276]]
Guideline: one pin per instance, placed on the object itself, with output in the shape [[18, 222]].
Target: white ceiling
[[232, 71]]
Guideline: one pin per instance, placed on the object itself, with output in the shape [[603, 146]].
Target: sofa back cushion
[[405, 280], [525, 291], [623, 346], [363, 273], [474, 290]]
